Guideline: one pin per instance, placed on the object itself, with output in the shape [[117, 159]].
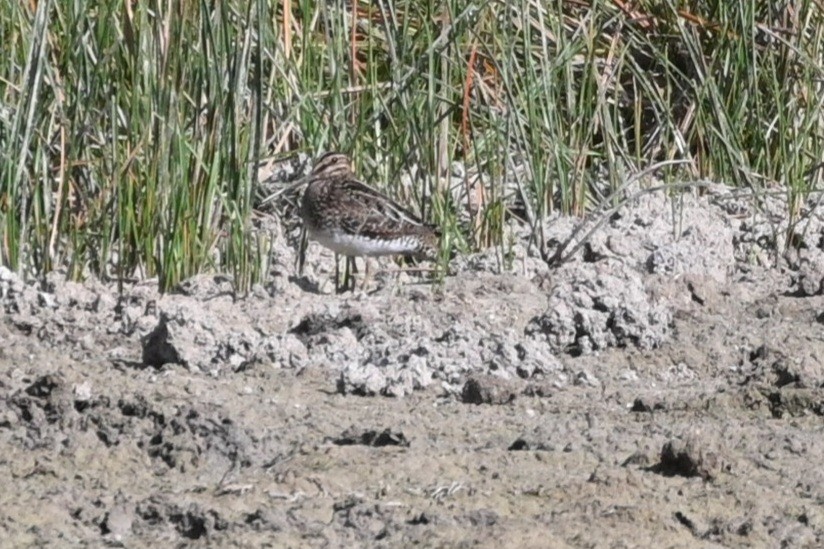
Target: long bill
[[289, 188]]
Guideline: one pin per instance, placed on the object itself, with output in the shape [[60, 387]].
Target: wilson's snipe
[[350, 218]]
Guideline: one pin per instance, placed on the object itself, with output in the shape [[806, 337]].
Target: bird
[[347, 216]]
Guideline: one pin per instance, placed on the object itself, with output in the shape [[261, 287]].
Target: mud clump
[[488, 390], [689, 457], [600, 308]]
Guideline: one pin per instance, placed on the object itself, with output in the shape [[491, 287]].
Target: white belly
[[346, 244]]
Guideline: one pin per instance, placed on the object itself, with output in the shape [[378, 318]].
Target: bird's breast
[[359, 245]]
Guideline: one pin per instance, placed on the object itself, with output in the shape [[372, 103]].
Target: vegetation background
[[132, 131]]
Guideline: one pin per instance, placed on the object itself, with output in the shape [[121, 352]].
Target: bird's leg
[[348, 283], [365, 280], [304, 242], [351, 270], [337, 274]]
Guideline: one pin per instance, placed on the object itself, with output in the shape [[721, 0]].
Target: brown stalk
[[287, 28], [466, 123]]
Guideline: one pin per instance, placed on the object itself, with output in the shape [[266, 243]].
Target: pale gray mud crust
[[662, 388]]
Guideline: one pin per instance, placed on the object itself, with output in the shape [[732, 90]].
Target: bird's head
[[332, 164]]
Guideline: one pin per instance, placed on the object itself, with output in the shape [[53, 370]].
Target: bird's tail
[[430, 243]]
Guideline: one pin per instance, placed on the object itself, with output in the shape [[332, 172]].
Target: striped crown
[[332, 164]]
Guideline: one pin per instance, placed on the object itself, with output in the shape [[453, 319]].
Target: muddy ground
[[661, 388]]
